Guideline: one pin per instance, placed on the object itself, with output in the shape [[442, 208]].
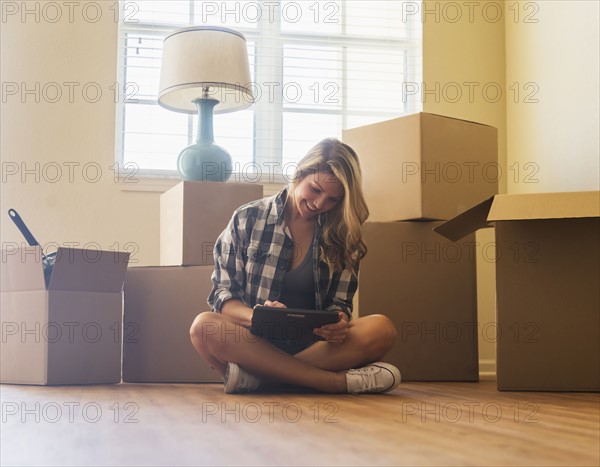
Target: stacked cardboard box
[[417, 170], [162, 301]]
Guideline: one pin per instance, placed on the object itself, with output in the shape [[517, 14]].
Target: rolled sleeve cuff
[[347, 310], [220, 299]]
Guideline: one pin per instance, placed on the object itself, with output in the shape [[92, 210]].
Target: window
[[317, 67]]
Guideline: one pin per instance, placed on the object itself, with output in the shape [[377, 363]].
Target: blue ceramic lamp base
[[205, 161]]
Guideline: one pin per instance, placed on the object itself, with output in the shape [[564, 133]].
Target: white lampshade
[[200, 56]]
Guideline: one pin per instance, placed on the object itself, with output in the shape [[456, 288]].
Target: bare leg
[[369, 339], [219, 340]]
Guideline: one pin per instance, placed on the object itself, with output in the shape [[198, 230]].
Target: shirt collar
[[276, 212]]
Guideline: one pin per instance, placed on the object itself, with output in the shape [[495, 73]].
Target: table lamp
[[205, 69]]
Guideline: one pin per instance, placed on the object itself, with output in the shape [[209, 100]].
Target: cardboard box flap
[[469, 221], [21, 270], [545, 206], [89, 270]]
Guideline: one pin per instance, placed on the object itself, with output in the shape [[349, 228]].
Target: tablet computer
[[289, 324]]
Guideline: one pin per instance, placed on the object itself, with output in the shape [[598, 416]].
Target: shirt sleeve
[[341, 291], [228, 277]]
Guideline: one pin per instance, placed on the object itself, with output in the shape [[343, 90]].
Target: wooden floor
[[417, 424]]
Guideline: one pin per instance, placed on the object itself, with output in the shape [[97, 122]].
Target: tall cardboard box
[[70, 332], [193, 214], [425, 166], [161, 303], [547, 276], [426, 285]]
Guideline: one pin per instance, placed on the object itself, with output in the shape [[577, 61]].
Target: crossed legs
[[220, 340]]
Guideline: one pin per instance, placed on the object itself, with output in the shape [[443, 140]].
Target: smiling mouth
[[309, 207]]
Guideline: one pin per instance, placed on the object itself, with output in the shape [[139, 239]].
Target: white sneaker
[[376, 377], [238, 380]]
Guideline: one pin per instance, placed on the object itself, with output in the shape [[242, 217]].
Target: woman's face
[[317, 193]]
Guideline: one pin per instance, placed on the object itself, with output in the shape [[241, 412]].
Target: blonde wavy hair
[[341, 246]]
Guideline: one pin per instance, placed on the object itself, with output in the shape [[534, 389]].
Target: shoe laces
[[368, 376]]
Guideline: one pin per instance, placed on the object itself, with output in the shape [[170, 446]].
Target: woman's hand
[[334, 333], [275, 304]]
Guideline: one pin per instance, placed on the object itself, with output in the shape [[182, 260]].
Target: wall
[[553, 124], [57, 144]]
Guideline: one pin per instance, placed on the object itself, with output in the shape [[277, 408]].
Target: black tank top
[[298, 290]]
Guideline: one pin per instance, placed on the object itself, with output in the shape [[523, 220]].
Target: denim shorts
[[292, 347]]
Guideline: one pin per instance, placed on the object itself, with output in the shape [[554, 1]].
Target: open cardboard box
[[69, 332], [433, 167], [547, 279]]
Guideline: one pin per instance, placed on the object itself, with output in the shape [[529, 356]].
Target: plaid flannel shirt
[[253, 253]]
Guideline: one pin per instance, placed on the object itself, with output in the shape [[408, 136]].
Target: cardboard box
[[193, 215], [425, 166], [69, 333], [160, 305], [547, 276], [427, 286]]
